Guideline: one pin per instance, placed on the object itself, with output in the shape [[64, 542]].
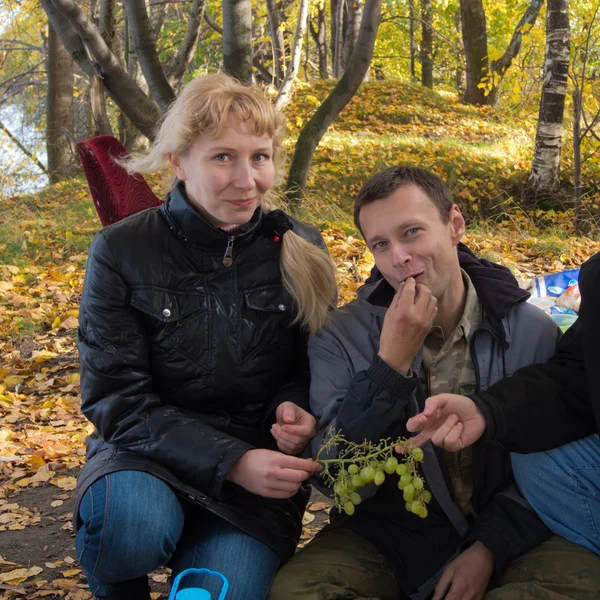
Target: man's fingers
[[443, 430], [443, 585], [433, 404], [452, 441], [417, 422], [421, 439]]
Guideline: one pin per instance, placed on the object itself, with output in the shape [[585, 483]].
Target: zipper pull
[[228, 257]]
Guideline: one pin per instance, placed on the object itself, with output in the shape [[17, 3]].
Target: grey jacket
[[352, 389]]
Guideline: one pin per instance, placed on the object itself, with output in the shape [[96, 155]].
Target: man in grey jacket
[[432, 318]]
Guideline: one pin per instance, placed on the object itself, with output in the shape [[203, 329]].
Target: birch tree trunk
[[319, 37], [354, 12], [546, 159], [277, 41], [237, 39], [283, 96], [338, 43]]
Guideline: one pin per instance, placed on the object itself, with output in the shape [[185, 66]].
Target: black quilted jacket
[[186, 350]]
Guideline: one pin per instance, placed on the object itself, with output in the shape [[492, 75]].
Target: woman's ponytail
[[309, 277]]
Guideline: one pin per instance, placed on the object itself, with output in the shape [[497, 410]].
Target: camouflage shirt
[[448, 367]]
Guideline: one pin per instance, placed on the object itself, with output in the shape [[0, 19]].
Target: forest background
[[499, 98]]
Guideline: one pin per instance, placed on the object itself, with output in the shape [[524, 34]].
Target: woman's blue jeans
[[563, 486], [133, 523]]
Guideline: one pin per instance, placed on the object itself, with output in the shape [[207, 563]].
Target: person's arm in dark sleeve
[[589, 315], [368, 404], [547, 405], [507, 526], [118, 393]]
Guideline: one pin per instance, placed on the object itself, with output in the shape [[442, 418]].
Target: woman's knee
[[130, 524]]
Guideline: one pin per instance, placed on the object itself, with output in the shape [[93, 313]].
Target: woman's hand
[[271, 474], [293, 429]]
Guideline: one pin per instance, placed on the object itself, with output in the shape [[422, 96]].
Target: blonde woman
[[193, 326]]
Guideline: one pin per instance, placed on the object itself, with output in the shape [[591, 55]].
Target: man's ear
[[175, 162], [457, 224]]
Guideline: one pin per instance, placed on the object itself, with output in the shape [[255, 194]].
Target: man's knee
[[556, 568]]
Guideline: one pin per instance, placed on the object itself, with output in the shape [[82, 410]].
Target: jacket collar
[[194, 230]]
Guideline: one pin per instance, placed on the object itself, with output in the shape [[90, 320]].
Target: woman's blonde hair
[[203, 108]]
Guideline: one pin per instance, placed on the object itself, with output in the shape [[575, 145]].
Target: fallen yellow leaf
[[12, 381], [64, 483], [18, 576]]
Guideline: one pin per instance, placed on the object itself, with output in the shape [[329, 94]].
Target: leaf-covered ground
[[43, 245]]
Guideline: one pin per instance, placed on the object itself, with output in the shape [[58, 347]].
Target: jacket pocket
[[170, 315], [266, 315]]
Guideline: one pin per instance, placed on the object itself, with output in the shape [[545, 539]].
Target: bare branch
[[16, 78], [20, 43], [433, 29], [529, 18], [145, 48], [212, 23], [22, 148], [189, 43]]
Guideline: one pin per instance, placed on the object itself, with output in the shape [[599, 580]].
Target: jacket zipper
[[228, 256]]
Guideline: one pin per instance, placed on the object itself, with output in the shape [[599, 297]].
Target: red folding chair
[[116, 193]]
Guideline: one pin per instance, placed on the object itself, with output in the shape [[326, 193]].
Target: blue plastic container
[[197, 593]]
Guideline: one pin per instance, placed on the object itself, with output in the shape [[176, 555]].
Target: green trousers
[[341, 565]]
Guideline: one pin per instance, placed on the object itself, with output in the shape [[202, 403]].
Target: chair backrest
[[116, 193]]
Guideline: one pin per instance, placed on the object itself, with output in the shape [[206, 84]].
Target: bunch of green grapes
[[356, 465]]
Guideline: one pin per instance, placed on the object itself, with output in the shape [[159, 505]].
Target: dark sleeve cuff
[[483, 401], [389, 379], [489, 538]]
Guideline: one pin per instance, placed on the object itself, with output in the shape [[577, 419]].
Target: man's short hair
[[387, 181]]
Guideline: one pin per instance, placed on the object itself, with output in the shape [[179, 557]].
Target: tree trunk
[[577, 101], [354, 12], [343, 92], [277, 41], [59, 108], [474, 34], [339, 38], [97, 99], [128, 133], [145, 48], [283, 96], [546, 159], [426, 44], [188, 45], [413, 45], [86, 46], [237, 39], [319, 37], [98, 107]]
